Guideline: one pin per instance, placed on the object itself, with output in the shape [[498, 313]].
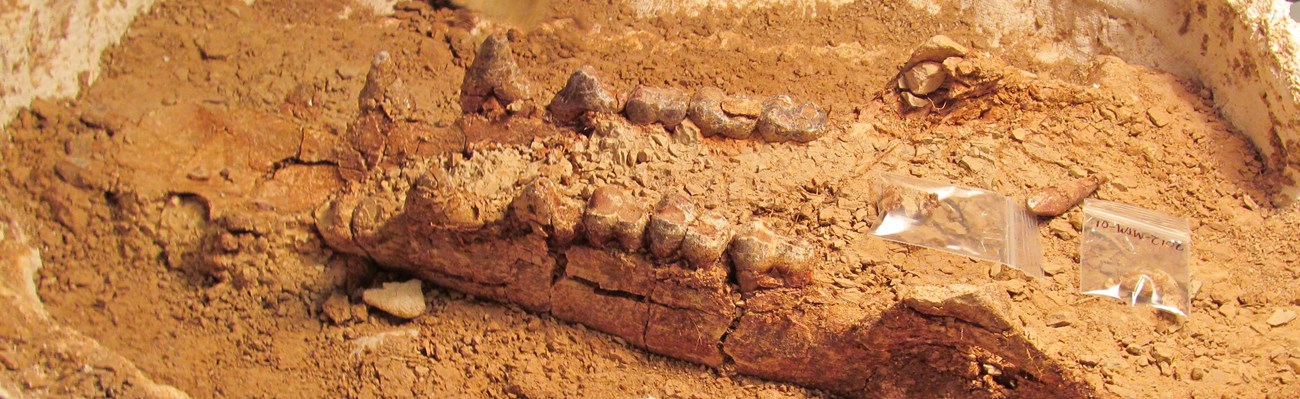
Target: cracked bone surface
[[941, 71], [564, 225], [629, 228], [493, 80]]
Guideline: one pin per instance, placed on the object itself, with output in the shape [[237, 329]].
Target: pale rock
[[1281, 317], [404, 299], [924, 78], [937, 49], [986, 306]]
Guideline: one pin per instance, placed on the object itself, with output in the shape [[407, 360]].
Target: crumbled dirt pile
[[241, 175]]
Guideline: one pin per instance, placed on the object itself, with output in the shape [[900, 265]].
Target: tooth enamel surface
[[783, 120], [647, 105], [615, 215], [764, 259], [708, 113], [668, 225], [583, 93], [706, 240]]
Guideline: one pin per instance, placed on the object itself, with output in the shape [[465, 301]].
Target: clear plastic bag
[[1135, 254], [966, 221]]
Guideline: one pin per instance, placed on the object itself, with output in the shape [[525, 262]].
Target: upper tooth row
[[494, 75]]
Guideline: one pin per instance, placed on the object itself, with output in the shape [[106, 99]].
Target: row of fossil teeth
[[495, 81], [676, 229]]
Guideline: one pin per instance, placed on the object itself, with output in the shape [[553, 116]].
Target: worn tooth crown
[[647, 105], [582, 94], [783, 120], [494, 75], [708, 110], [706, 240], [764, 259], [615, 215], [668, 225], [542, 206]]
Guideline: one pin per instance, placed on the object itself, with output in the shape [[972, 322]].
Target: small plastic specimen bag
[[966, 221], [1135, 254]]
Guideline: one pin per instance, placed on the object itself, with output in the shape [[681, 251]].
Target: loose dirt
[[173, 202]]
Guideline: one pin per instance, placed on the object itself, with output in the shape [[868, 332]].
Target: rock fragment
[[707, 111], [1281, 317], [493, 80], [582, 94], [337, 308], [404, 299], [936, 49], [706, 240], [987, 306], [764, 259], [647, 105], [781, 120], [924, 78], [911, 100], [668, 225], [1056, 200], [615, 215]]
